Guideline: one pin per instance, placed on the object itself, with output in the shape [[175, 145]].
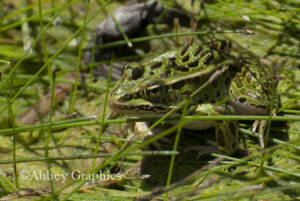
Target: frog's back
[[198, 57]]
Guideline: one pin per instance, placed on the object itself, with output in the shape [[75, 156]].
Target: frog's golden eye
[[133, 71], [155, 90]]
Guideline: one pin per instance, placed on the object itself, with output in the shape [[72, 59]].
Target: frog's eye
[[155, 90], [132, 71]]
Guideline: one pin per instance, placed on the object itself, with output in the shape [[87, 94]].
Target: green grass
[[36, 55]]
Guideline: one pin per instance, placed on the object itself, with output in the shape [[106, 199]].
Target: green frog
[[233, 85]]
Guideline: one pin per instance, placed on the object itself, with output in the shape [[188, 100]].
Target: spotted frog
[[232, 85]]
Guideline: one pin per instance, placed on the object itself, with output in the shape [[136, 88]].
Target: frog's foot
[[261, 131], [143, 132]]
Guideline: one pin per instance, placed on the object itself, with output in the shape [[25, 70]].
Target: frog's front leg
[[226, 131]]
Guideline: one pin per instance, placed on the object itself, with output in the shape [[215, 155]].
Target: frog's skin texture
[[154, 88]]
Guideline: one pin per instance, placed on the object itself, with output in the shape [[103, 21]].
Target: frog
[[231, 85]]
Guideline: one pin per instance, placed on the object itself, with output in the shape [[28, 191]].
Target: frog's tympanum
[[154, 88]]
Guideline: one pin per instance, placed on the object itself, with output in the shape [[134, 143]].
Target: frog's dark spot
[[187, 92], [214, 83], [238, 81], [181, 68], [156, 65], [230, 91], [194, 63], [178, 85], [227, 80], [186, 58], [220, 138], [234, 145], [198, 50], [224, 44], [151, 73], [218, 94], [244, 72], [206, 97], [207, 60], [249, 77], [136, 73], [166, 74], [232, 128], [172, 62], [242, 100], [183, 51], [239, 84]]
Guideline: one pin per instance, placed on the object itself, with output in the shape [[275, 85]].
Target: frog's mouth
[[145, 109]]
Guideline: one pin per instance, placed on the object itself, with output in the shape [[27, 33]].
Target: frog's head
[[157, 86], [138, 95]]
